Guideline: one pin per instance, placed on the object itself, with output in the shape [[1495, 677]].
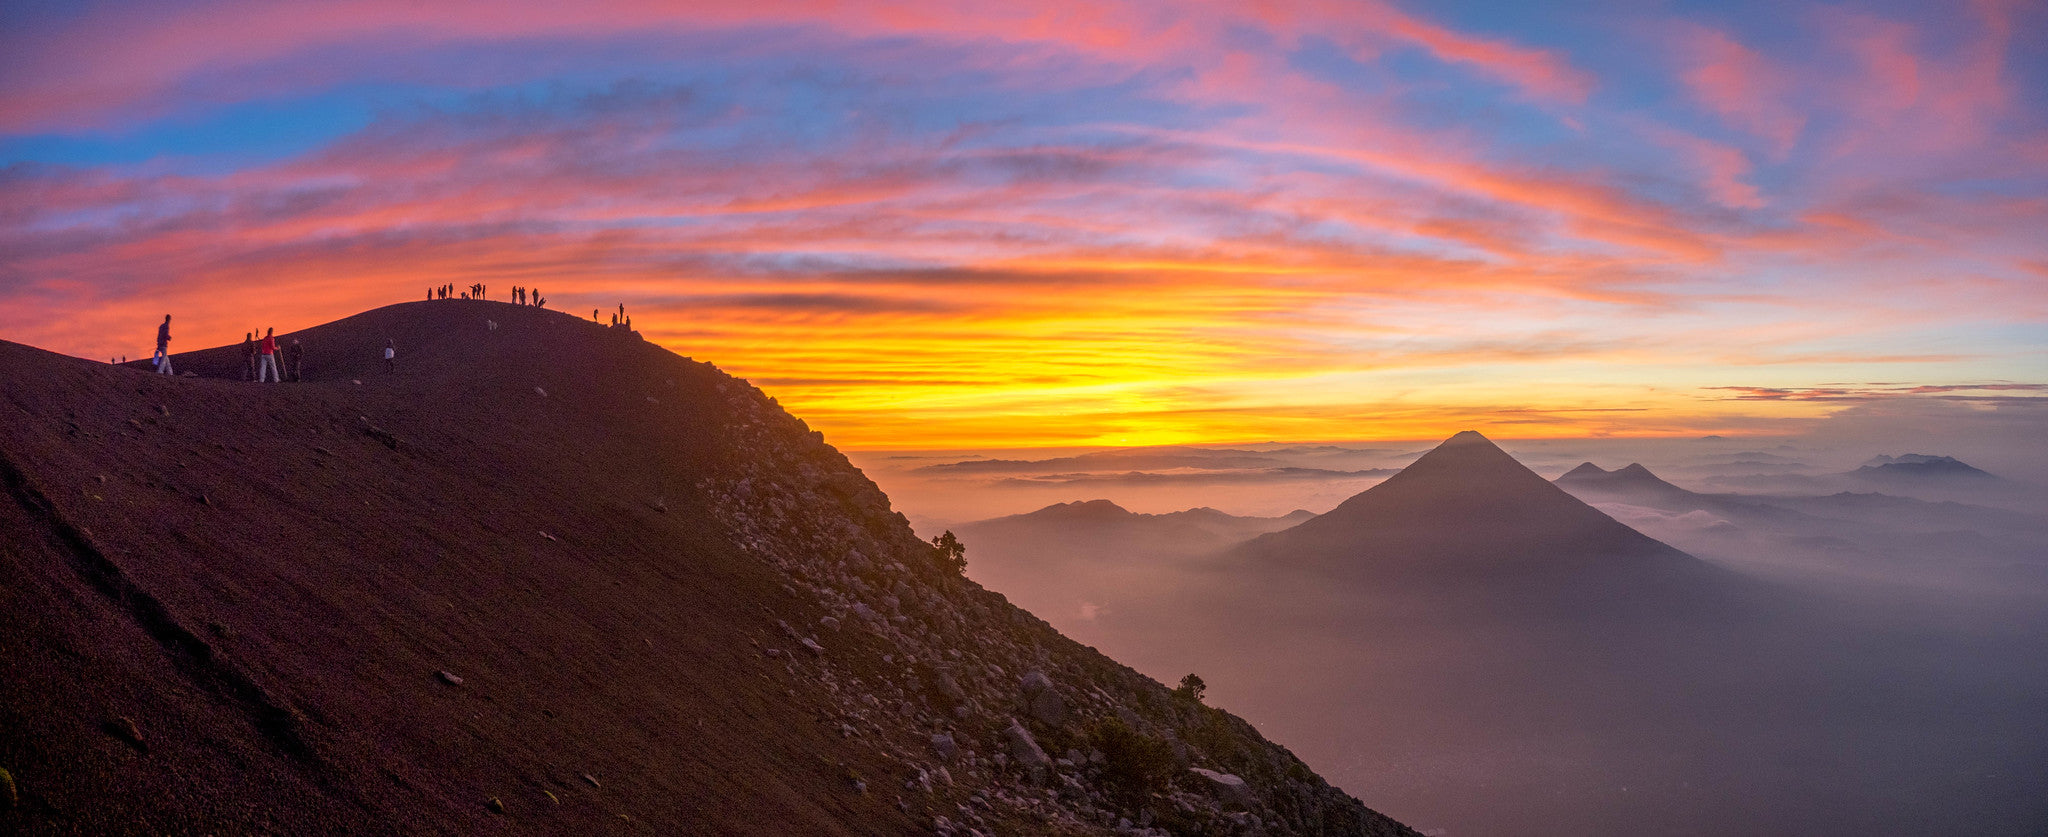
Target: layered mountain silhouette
[[1467, 516], [1103, 522], [1637, 485], [544, 577], [1496, 656]]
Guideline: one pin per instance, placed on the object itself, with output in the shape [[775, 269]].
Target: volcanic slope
[[1468, 520], [544, 577]]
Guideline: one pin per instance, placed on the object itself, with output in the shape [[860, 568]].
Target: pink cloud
[[1721, 168], [1741, 86], [69, 85], [1544, 74], [1366, 27]]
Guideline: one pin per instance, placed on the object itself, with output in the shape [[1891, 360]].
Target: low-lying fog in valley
[[1870, 656]]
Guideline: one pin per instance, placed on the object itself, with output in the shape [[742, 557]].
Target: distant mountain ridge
[[1105, 510], [1631, 479], [1921, 465]]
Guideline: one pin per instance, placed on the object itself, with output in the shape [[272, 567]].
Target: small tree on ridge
[[950, 552]]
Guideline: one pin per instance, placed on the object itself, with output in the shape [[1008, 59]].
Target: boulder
[[943, 744], [1226, 787], [1025, 750], [950, 687], [1040, 700]]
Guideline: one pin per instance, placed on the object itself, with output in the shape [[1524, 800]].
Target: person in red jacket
[[267, 357], [163, 347]]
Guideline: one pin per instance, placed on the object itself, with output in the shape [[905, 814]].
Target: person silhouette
[[163, 347], [390, 355]]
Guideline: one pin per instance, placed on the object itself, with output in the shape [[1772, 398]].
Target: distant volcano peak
[[1633, 478], [1466, 509]]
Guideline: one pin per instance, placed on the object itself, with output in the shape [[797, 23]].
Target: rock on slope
[[545, 577]]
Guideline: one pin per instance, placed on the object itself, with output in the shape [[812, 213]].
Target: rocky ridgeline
[[996, 723]]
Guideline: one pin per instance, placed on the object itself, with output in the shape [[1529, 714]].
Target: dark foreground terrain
[[544, 578]]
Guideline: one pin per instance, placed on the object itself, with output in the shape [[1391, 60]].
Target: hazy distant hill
[[544, 578], [1918, 466], [1878, 521], [1100, 530]]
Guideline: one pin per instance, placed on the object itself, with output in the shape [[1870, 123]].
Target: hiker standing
[[295, 362], [249, 356], [266, 360], [163, 347], [390, 355]]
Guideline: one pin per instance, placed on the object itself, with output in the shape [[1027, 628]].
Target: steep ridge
[[544, 577]]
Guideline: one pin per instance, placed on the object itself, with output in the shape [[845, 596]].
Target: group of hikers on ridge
[[520, 295], [260, 361], [619, 320], [259, 357]]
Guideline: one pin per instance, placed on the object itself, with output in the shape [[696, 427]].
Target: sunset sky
[[959, 224]]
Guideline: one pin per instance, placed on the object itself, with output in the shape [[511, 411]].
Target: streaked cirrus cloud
[[957, 224]]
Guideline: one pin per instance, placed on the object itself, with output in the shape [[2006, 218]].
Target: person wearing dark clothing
[[249, 356], [295, 362], [390, 355], [163, 347]]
